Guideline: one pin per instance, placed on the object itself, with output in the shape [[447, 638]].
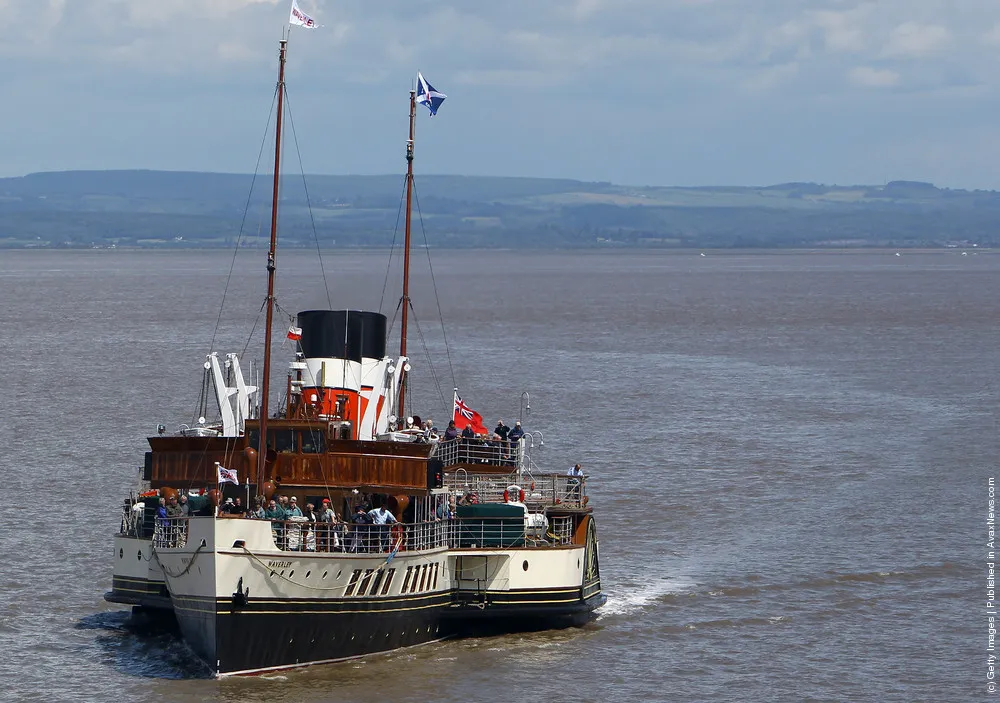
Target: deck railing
[[479, 451], [539, 490], [302, 535], [170, 532]]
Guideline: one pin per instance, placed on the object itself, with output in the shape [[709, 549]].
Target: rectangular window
[[376, 581], [353, 583], [363, 588], [406, 579], [281, 440], [388, 581], [423, 575], [313, 442]]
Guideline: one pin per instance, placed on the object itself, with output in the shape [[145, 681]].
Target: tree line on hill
[[173, 209]]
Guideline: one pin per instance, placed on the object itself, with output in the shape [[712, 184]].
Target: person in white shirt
[[574, 483], [381, 516]]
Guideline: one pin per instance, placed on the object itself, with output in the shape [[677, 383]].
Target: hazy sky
[[656, 92]]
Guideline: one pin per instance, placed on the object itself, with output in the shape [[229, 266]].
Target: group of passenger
[[498, 448], [174, 506], [309, 529], [368, 529]]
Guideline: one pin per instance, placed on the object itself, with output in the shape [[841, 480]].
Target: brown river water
[[789, 455]]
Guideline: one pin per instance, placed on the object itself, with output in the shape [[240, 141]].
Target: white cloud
[[869, 77], [912, 39], [842, 31], [992, 36], [642, 59]]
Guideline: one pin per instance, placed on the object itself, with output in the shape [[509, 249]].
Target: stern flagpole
[[406, 251]]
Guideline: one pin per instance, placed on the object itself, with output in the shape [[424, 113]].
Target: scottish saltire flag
[[299, 18], [426, 95], [228, 475]]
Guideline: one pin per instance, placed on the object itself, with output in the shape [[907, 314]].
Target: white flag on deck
[[228, 475], [299, 18]]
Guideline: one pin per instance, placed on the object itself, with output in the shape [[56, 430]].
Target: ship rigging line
[[392, 248], [437, 298], [430, 361], [246, 209], [312, 220]]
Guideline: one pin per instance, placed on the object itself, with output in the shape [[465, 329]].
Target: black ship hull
[[271, 635]]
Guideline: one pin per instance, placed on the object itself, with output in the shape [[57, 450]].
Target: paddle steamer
[[253, 595]]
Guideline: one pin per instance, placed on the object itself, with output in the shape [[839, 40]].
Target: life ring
[[515, 491]]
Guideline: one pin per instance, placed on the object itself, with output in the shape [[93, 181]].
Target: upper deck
[[309, 454]]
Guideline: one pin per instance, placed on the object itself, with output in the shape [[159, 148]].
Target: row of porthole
[[524, 564], [121, 554], [309, 573], [371, 636]]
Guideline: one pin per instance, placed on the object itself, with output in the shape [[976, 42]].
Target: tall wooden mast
[[406, 253], [265, 381]]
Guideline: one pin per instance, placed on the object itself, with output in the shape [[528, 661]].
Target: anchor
[[242, 596]]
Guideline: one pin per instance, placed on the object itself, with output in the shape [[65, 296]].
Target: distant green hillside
[[175, 209]]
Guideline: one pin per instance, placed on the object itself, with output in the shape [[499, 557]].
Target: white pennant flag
[[299, 18], [228, 475]]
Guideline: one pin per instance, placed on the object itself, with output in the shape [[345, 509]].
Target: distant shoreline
[[154, 210], [597, 251]]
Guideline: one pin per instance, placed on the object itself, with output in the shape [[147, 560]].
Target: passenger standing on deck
[[451, 433], [328, 517], [276, 514], [258, 508], [575, 481], [441, 511], [500, 444], [309, 541], [383, 518], [185, 508], [468, 434], [502, 430], [173, 509], [361, 530], [273, 512], [516, 433], [293, 509]]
